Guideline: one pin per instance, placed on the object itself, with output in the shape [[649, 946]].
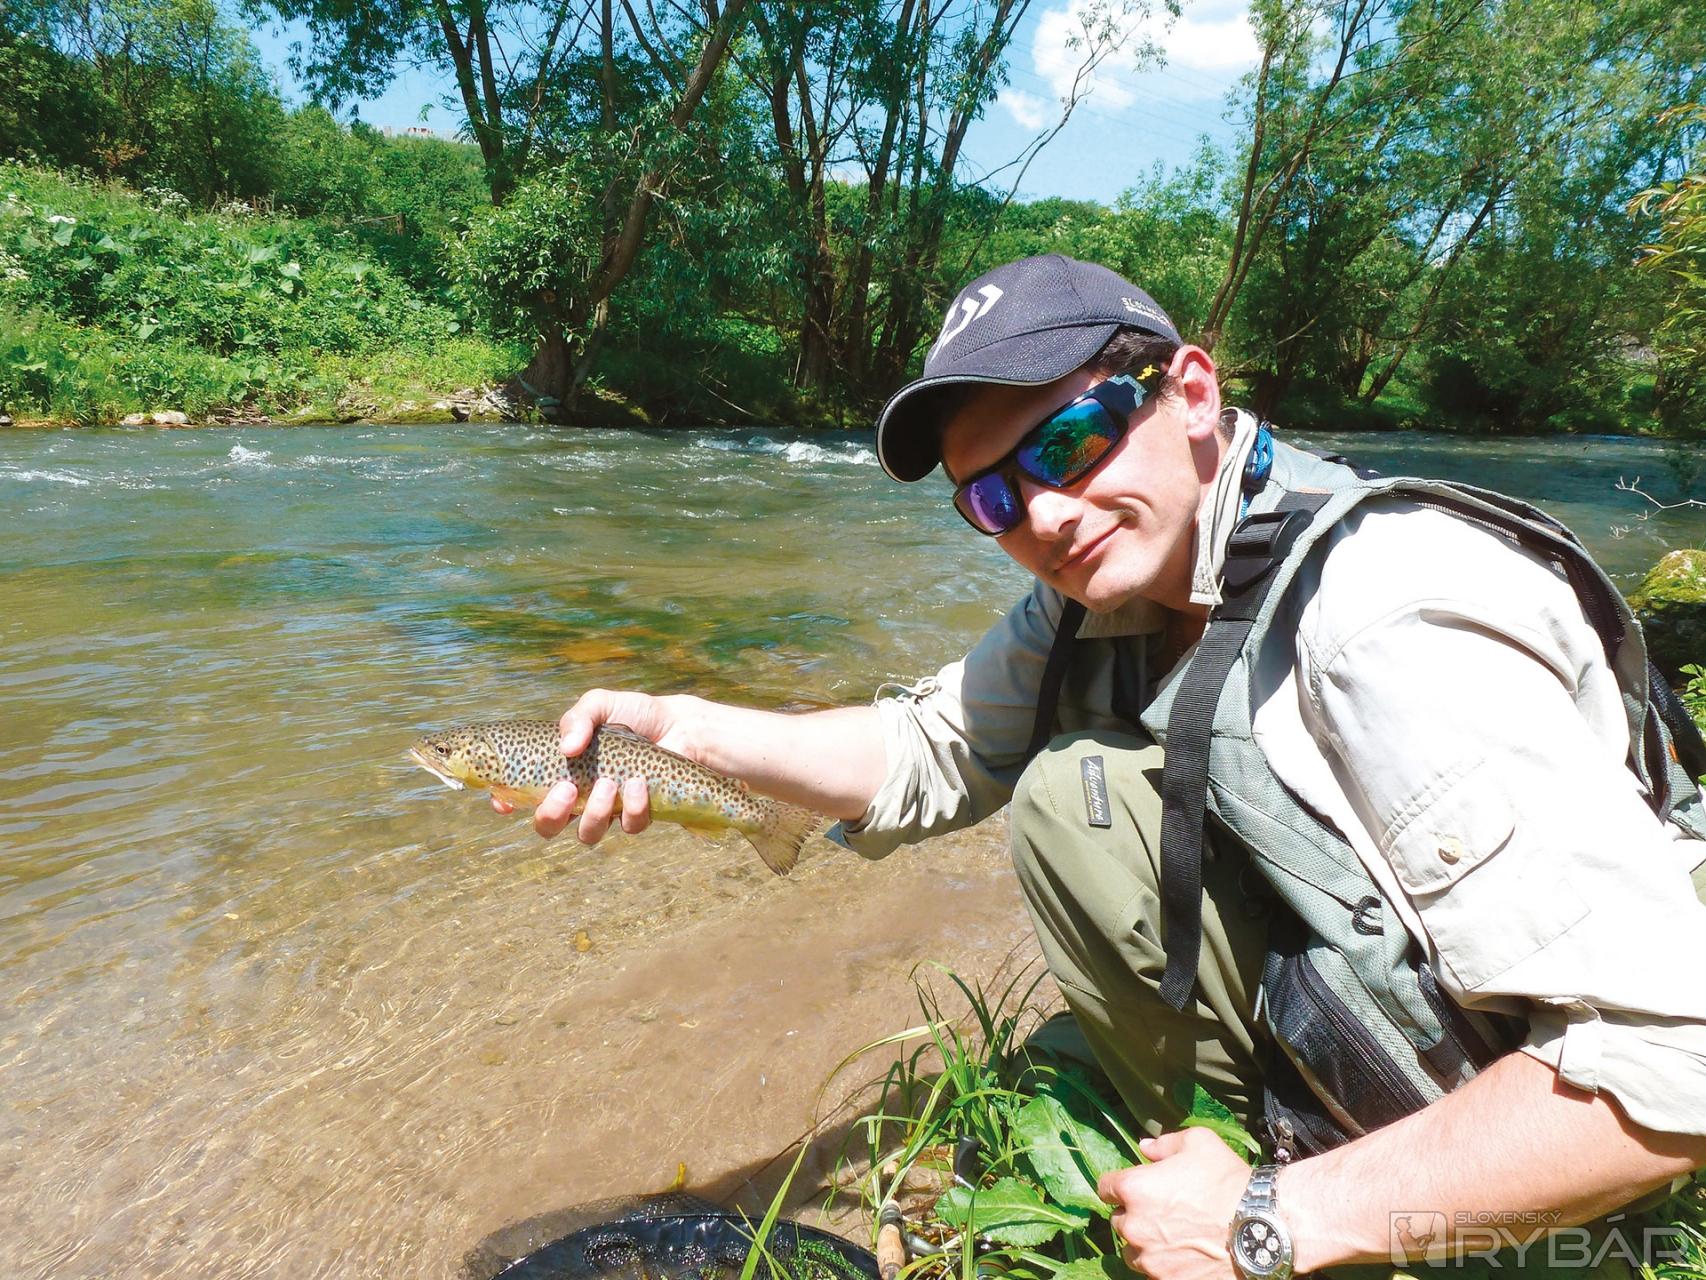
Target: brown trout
[[519, 760]]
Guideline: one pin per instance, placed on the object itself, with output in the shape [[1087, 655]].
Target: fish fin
[[510, 795], [786, 828], [711, 834]]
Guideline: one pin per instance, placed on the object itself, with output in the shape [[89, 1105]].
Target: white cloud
[[1203, 50], [1027, 109]]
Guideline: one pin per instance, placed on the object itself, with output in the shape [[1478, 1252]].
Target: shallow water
[[280, 1004]]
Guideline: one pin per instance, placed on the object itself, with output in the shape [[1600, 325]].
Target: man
[[1506, 1014]]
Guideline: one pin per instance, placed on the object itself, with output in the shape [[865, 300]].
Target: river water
[[280, 1005]]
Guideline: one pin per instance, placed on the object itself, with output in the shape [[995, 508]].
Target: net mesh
[[670, 1237]]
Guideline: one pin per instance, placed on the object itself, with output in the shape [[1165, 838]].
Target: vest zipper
[[1380, 1070]]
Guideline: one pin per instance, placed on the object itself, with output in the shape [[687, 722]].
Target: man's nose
[[1052, 513]]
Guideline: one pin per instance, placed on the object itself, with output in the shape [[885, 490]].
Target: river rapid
[[279, 1004]]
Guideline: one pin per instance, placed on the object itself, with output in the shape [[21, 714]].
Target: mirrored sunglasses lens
[[1070, 443], [990, 504]]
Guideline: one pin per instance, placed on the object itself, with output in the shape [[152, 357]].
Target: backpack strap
[[1054, 675], [1686, 747], [1258, 544]]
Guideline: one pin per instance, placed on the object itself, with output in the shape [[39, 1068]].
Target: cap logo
[[963, 313], [1144, 309]]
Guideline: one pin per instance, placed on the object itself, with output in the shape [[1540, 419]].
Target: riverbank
[[117, 306]]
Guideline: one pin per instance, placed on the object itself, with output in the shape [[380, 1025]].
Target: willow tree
[[1417, 167], [1676, 210], [519, 69], [870, 103]]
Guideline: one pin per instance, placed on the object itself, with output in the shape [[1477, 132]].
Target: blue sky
[[1131, 116]]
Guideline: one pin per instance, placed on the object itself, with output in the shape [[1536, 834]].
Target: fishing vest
[[1361, 1033]]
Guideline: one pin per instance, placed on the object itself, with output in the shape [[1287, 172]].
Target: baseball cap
[[1024, 323]]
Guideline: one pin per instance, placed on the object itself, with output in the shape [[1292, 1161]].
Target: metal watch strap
[[1259, 1194], [1258, 1231]]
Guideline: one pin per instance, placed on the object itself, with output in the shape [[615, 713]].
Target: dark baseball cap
[[1022, 324]]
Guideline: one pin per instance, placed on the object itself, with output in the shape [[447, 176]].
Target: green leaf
[[1067, 1155], [62, 232], [1231, 1133], [1011, 1212], [1205, 1111], [1200, 1104], [1106, 1267]]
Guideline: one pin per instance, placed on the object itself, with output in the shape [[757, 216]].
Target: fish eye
[[443, 748]]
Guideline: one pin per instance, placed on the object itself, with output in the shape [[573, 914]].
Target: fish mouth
[[455, 784]]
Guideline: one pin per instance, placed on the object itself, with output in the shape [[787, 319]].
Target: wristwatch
[[1258, 1242]]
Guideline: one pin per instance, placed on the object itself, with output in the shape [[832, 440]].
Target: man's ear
[[1193, 370]]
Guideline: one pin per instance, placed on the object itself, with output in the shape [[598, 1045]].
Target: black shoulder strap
[[1258, 544], [1685, 740], [1054, 675]]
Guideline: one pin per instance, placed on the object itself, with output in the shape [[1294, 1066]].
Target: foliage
[[111, 305], [1025, 1137], [518, 264], [755, 211], [152, 91], [1446, 179], [1694, 693], [1677, 256]]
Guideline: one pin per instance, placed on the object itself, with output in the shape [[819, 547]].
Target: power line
[[1192, 126]]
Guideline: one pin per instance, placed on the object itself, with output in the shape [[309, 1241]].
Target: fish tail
[[785, 828]]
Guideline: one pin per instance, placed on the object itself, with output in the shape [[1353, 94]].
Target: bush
[[113, 303]]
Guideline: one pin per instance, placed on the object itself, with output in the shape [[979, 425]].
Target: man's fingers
[[556, 809], [600, 807], [1169, 1144], [577, 726], [636, 806], [1111, 1186]]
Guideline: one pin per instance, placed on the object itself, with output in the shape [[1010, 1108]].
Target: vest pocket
[[1335, 1050]]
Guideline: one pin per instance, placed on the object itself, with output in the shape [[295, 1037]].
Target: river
[[280, 1005]]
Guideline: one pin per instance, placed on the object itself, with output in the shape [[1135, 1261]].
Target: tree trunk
[[549, 379]]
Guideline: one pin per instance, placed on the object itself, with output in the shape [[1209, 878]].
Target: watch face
[[1260, 1248]]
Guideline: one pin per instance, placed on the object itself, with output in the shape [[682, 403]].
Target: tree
[[1427, 151], [1678, 256], [870, 104], [518, 69], [161, 91]]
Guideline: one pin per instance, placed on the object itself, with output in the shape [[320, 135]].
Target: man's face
[[1125, 529]]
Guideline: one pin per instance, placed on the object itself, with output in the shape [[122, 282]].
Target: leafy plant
[[1015, 1140], [1694, 693]]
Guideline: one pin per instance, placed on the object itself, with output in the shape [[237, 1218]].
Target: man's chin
[[1100, 595]]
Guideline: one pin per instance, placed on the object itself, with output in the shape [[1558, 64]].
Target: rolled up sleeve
[[955, 742], [1466, 711]]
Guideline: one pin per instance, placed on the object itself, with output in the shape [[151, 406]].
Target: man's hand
[[1174, 1213], [650, 717]]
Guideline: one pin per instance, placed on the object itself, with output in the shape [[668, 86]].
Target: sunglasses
[[1058, 452]]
